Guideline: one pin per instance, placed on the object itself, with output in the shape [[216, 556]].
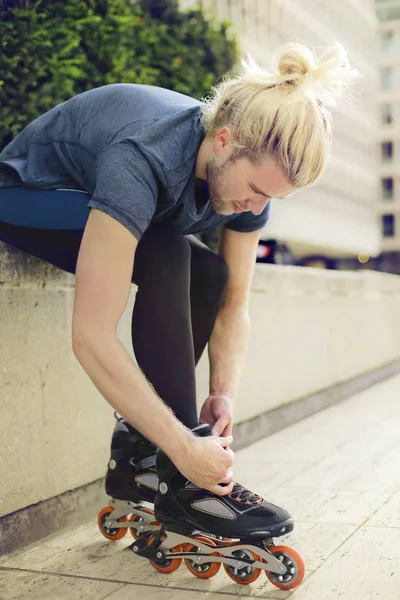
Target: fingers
[[230, 452], [225, 441], [227, 479], [223, 490], [221, 425], [227, 431], [225, 484], [225, 445]]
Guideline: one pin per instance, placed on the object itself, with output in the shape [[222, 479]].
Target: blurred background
[[350, 219], [52, 50]]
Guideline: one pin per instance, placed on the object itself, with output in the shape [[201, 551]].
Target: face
[[238, 185]]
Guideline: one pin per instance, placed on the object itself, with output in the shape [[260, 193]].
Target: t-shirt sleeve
[[248, 222], [126, 187]]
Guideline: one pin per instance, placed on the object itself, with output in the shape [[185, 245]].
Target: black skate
[[206, 530], [131, 482]]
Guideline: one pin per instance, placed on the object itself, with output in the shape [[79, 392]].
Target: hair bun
[[325, 76], [295, 59]]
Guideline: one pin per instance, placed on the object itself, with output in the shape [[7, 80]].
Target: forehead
[[267, 176]]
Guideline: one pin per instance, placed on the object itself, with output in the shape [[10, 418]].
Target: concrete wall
[[311, 330]]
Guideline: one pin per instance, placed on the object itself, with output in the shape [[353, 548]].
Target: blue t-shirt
[[133, 148]]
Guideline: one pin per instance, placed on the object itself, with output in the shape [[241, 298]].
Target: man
[[141, 170]]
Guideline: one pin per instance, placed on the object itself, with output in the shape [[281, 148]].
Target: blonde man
[[112, 185]]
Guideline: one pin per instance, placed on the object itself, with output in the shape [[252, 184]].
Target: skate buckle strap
[[141, 548], [144, 463], [242, 494]]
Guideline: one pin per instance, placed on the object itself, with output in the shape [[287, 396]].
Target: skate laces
[[242, 494]]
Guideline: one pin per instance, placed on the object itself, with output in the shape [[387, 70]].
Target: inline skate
[[131, 482], [206, 530]]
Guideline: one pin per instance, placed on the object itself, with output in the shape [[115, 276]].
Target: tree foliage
[[51, 50]]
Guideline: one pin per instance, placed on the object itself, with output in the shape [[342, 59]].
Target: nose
[[256, 206]]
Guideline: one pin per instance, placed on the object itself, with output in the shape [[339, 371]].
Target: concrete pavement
[[337, 472]]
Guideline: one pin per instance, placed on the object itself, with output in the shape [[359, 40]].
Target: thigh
[[48, 224], [44, 209], [57, 247]]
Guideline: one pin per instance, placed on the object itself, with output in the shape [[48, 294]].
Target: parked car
[[318, 262], [274, 252]]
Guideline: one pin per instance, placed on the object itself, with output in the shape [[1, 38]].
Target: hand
[[217, 412], [208, 464]]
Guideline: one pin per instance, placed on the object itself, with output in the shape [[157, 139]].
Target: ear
[[222, 140]]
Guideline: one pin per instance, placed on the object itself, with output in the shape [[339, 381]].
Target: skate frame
[[271, 564]]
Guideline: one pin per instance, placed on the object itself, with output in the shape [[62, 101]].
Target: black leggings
[[180, 287]]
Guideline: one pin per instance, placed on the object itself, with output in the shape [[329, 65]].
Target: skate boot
[[131, 482], [206, 530]]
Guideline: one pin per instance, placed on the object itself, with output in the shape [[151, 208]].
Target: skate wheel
[[140, 520], [168, 565], [246, 574], [295, 568], [203, 570], [111, 533]]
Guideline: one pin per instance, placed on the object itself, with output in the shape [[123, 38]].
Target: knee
[[221, 272]]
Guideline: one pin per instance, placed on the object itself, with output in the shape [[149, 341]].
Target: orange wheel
[[203, 570], [111, 533], [246, 574], [133, 518], [295, 568], [166, 565]]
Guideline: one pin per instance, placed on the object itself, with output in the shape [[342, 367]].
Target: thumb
[[220, 425]]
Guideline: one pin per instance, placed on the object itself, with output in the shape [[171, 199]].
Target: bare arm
[[103, 277], [230, 337]]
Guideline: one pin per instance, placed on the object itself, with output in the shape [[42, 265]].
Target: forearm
[[124, 386], [227, 349]]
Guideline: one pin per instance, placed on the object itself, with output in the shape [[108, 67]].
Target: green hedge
[[51, 50]]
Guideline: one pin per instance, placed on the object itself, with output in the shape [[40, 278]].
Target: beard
[[214, 174]]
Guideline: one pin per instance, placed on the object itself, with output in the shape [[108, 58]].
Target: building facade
[[338, 216], [389, 132]]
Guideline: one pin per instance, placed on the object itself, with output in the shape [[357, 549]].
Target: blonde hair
[[283, 113]]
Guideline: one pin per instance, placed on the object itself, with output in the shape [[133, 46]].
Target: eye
[[258, 192]]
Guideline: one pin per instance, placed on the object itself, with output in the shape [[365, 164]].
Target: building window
[[389, 10], [386, 152], [386, 114], [387, 188], [387, 78], [388, 225], [388, 42]]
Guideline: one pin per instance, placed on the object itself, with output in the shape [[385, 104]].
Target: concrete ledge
[[39, 520], [76, 506]]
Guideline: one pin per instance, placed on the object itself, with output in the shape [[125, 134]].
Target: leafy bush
[[51, 50]]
